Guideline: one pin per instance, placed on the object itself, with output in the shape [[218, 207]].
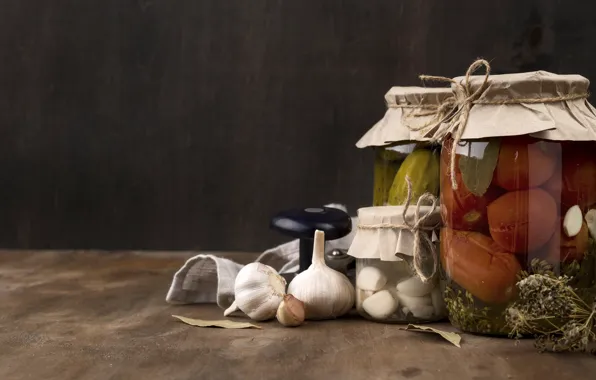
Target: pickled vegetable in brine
[[387, 163], [521, 204], [418, 162]]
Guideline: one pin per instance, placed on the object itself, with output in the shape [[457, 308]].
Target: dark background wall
[[160, 124]]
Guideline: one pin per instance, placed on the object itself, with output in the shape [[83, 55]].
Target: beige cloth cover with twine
[[401, 103], [384, 243], [539, 104], [572, 118], [394, 233]]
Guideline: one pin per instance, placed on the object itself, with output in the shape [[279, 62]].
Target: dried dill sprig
[[464, 314], [538, 266], [549, 308]]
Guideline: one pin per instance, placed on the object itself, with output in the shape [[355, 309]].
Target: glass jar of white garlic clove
[[388, 286]]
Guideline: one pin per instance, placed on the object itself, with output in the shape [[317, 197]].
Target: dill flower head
[[549, 308], [546, 296]]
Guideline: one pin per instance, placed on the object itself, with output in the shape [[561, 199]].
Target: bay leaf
[[224, 323], [477, 173], [451, 337]]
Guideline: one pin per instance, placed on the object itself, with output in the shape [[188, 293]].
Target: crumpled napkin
[[210, 279]]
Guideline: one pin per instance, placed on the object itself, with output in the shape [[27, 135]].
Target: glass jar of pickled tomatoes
[[518, 195]]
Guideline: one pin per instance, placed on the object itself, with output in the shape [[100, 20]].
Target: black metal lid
[[302, 223]]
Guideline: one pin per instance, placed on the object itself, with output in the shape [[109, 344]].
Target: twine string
[[419, 230]]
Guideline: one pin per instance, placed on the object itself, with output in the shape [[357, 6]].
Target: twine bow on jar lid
[[424, 248], [451, 117]]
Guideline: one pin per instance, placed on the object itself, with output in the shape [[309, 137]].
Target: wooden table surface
[[102, 315]]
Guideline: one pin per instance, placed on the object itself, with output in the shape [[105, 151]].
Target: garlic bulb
[[258, 291], [326, 293]]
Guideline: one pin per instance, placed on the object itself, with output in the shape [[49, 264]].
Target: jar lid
[[556, 106], [401, 102], [379, 235]]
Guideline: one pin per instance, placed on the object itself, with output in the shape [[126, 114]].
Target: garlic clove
[[371, 278], [438, 302], [423, 312], [380, 305], [258, 291], [290, 312], [326, 293], [572, 222], [413, 302], [590, 218], [391, 289], [414, 287], [362, 296]]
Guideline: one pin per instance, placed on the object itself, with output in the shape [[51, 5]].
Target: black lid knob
[[302, 224]]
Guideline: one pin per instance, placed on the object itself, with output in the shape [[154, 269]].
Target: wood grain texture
[[132, 124], [92, 315]]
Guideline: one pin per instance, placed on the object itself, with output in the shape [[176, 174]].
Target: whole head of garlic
[[326, 293], [258, 291]]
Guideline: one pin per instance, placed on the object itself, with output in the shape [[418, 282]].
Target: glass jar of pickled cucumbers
[[519, 212], [401, 152], [388, 288]]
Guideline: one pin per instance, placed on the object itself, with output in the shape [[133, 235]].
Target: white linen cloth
[[210, 279]]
